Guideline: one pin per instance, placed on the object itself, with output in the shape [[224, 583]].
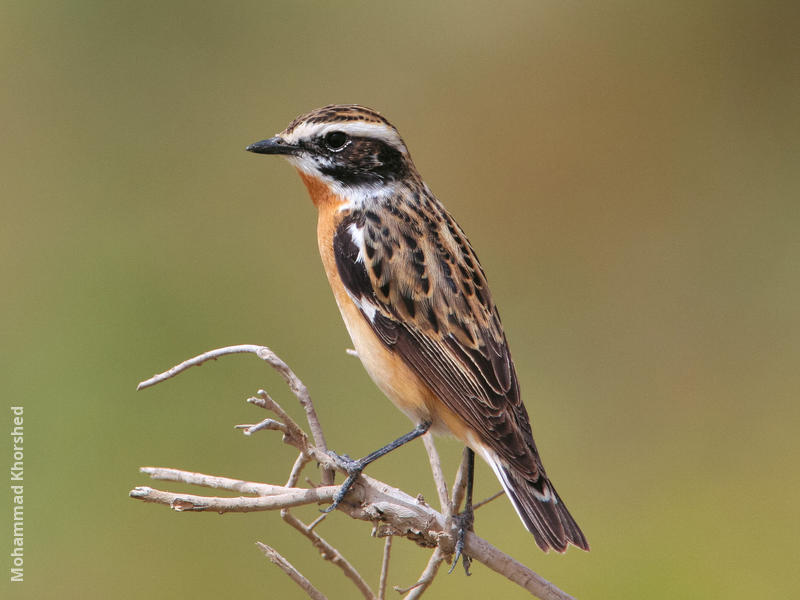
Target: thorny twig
[[394, 512]]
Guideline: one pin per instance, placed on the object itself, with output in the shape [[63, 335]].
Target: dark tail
[[541, 510]]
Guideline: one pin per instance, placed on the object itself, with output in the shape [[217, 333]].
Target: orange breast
[[386, 368]]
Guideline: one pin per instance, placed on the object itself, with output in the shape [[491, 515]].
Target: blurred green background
[[627, 172]]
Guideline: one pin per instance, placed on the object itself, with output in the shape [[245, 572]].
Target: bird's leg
[[354, 467], [466, 518]]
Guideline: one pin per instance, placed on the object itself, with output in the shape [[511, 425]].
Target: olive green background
[[627, 172]]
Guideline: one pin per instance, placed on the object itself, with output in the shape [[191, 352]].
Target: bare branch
[[330, 553], [212, 481], [197, 361], [293, 573], [300, 391], [271, 424], [318, 520], [302, 460], [295, 385], [459, 485], [387, 554], [424, 581], [190, 502], [436, 469], [500, 562], [392, 511], [293, 431], [477, 505], [294, 435], [377, 502]]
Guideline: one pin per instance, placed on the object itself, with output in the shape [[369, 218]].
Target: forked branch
[[393, 512]]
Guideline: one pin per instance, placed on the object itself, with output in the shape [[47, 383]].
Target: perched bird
[[415, 301]]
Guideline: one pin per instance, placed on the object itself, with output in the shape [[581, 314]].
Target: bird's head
[[345, 145]]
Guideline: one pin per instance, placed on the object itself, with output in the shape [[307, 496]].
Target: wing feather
[[425, 296]]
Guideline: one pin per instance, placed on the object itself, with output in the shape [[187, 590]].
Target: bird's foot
[[353, 469], [347, 464], [464, 522]]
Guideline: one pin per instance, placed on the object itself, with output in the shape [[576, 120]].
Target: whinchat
[[416, 303]]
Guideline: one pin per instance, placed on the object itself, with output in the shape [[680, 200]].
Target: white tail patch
[[500, 472]]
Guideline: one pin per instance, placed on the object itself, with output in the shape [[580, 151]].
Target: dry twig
[[394, 512], [459, 485], [297, 387], [425, 580], [495, 496], [190, 502], [384, 578], [330, 553], [293, 573], [438, 476]]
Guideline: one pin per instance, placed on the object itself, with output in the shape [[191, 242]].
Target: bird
[[417, 306]]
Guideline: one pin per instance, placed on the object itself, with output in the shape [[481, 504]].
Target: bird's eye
[[336, 140]]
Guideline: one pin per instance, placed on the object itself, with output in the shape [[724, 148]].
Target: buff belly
[[389, 372]]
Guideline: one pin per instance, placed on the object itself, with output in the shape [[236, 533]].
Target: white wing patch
[[357, 235], [367, 308]]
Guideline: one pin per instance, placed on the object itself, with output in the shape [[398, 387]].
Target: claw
[[353, 468], [465, 522], [347, 463]]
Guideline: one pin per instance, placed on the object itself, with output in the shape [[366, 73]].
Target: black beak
[[274, 145]]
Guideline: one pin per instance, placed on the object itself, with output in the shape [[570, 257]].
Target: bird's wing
[[417, 281]]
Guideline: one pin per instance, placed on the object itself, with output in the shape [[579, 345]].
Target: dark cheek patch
[[364, 161]]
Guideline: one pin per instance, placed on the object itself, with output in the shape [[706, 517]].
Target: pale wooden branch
[[302, 460], [384, 578], [297, 387], [330, 553], [190, 502], [298, 437], [425, 580], [513, 570], [486, 501], [270, 424], [293, 433], [318, 520], [392, 511], [459, 485], [405, 515], [438, 476], [293, 573], [212, 481]]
